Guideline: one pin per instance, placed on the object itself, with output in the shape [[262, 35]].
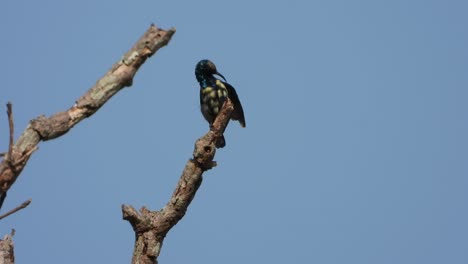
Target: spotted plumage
[[213, 93]]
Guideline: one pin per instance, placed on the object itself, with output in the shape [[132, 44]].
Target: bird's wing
[[201, 96], [238, 113]]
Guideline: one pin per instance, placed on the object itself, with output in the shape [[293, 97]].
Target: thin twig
[[44, 128], [12, 130], [10, 145], [22, 206]]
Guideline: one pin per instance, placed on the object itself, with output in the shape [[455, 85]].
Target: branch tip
[[42, 128], [12, 131], [22, 206]]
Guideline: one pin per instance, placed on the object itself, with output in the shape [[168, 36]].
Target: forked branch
[[46, 128], [151, 227]]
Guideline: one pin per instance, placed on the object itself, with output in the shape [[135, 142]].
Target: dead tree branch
[[12, 129], [10, 145], [42, 128], [46, 128], [151, 227], [21, 206]]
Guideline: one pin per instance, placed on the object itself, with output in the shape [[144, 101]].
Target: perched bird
[[213, 93]]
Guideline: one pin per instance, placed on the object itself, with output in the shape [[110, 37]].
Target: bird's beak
[[220, 75]]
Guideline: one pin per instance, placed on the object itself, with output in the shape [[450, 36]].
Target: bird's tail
[[221, 142]]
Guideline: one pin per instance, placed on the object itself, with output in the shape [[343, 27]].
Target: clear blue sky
[[355, 149]]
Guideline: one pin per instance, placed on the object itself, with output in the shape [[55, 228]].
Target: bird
[[213, 94]]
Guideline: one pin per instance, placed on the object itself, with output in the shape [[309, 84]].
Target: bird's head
[[205, 69]]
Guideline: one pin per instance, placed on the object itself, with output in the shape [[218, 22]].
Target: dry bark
[[151, 227], [46, 128], [7, 255]]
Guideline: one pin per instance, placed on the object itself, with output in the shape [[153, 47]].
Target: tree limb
[[42, 128], [151, 227], [21, 206], [10, 146], [12, 129]]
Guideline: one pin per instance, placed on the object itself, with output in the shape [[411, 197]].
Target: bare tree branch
[[151, 227], [12, 130], [21, 206], [42, 128], [10, 146]]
